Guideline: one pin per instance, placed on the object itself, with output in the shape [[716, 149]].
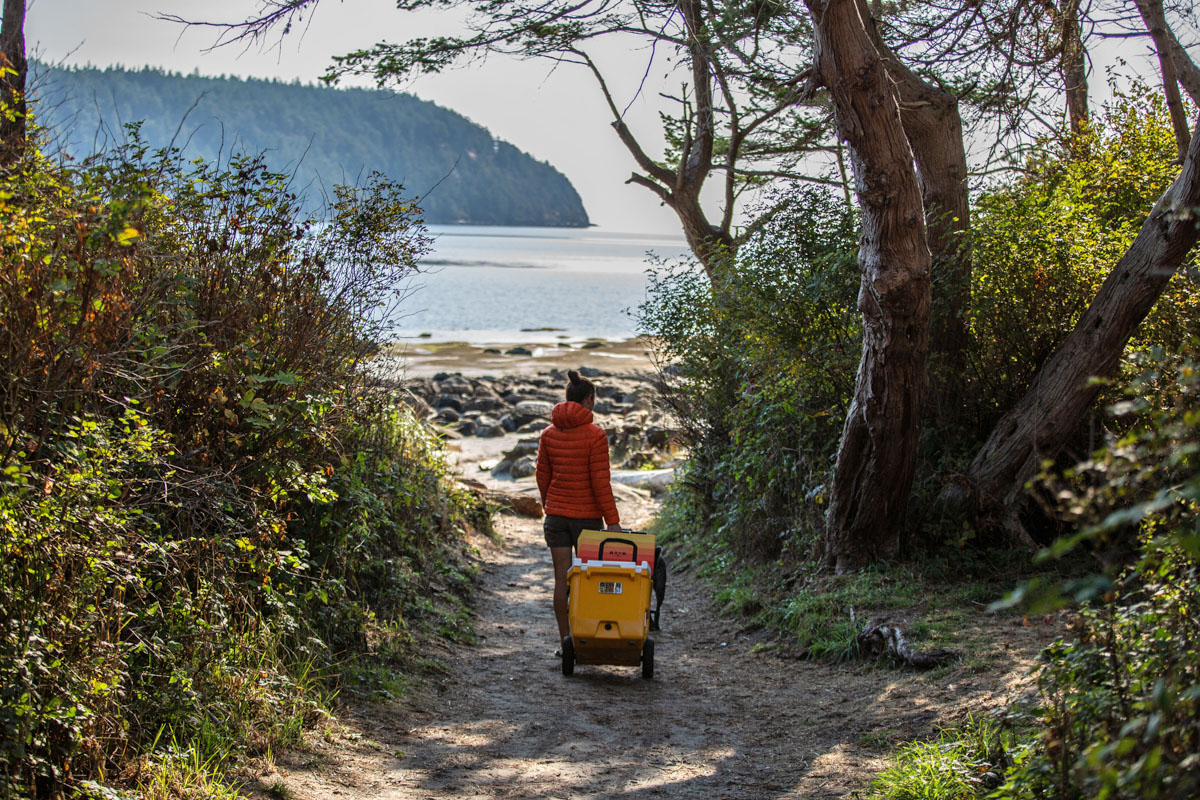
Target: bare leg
[[562, 563]]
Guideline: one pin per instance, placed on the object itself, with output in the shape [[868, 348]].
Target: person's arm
[[601, 482], [544, 472]]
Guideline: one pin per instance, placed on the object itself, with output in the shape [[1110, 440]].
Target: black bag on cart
[[660, 586]]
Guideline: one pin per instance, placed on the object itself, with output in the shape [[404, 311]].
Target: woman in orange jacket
[[573, 479]]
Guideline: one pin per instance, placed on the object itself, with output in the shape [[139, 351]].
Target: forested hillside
[[329, 136]]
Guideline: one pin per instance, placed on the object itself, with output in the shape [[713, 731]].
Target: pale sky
[[555, 115]]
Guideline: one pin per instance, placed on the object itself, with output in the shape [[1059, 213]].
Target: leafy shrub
[[1042, 246], [765, 367], [1117, 704], [206, 499]]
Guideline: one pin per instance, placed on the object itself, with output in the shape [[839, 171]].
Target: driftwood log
[[522, 505], [883, 639]]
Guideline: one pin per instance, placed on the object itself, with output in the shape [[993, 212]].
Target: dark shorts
[[564, 531]]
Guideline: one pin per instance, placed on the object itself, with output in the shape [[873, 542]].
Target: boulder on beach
[[524, 447], [484, 403], [454, 384], [448, 401], [518, 351], [523, 467], [488, 427], [529, 410]]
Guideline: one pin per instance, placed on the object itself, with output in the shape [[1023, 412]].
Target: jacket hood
[[570, 415]]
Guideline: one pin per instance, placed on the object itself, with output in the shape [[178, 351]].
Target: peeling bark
[[933, 125], [877, 454]]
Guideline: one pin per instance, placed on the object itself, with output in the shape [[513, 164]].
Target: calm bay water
[[491, 284]]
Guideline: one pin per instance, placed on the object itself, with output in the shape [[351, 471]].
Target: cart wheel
[[568, 656], [648, 659]]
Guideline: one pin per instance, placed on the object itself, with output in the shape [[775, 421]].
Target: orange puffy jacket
[[572, 466]]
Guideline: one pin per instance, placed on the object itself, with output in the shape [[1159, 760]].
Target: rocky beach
[[491, 404]]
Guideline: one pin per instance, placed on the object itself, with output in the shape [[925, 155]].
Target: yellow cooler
[[609, 602]]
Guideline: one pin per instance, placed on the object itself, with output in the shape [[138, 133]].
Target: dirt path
[[717, 721]]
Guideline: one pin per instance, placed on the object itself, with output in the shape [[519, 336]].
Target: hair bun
[[573, 376]]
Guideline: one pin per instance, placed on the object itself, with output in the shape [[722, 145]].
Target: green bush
[[1043, 244], [764, 368], [1118, 702], [207, 502]]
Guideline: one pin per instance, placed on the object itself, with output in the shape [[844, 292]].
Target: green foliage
[[1044, 244], [206, 502], [765, 367], [961, 764], [1117, 704], [766, 361], [463, 173], [1117, 708]]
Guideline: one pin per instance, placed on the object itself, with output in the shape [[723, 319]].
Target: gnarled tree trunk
[[933, 125], [1039, 425], [12, 81], [877, 455]]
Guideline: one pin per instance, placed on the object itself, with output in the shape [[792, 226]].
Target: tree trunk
[[12, 82], [1073, 63], [680, 188], [877, 455], [1165, 44], [1179, 123], [933, 125], [1040, 424], [1186, 71]]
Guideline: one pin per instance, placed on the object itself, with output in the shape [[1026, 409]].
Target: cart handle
[[632, 544]]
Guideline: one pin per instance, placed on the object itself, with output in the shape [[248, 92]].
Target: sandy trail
[[717, 721]]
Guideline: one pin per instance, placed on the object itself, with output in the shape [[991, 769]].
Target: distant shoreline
[[424, 358]]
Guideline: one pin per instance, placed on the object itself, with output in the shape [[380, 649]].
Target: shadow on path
[[717, 721]]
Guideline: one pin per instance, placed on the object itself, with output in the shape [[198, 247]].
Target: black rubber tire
[[568, 656], [648, 659]]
